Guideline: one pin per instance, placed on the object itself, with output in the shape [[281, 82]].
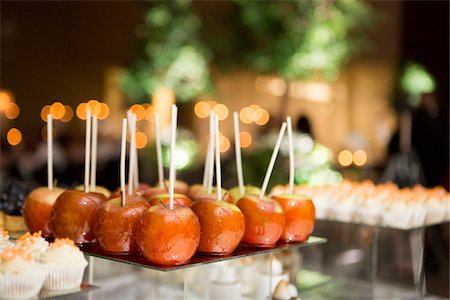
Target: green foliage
[[416, 80], [172, 53]]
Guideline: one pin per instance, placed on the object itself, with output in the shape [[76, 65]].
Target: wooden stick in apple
[[206, 168], [237, 149], [217, 148], [50, 152], [94, 153], [159, 151], [211, 154], [173, 133], [132, 164], [291, 156], [87, 151], [272, 161], [123, 149], [136, 156]]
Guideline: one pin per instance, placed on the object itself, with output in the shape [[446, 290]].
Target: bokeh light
[[104, 111], [14, 136], [94, 106], [5, 98], [149, 113], [224, 143], [138, 110], [81, 111], [44, 112], [221, 111], [141, 140], [345, 158], [243, 116], [202, 109], [359, 158], [12, 111], [57, 110], [68, 114], [264, 118], [245, 139]]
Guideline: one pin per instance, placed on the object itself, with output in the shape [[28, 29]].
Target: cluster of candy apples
[[146, 224]]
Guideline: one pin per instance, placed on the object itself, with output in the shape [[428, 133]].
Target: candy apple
[[199, 192], [264, 220], [37, 209], [168, 236], [181, 187], [164, 198], [116, 225], [153, 191], [98, 189], [299, 216], [74, 215], [248, 189], [222, 226]]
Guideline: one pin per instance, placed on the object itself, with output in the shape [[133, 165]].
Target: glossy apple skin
[[37, 209], [152, 192], [164, 198], [140, 189], [222, 226], [75, 214], [248, 189], [180, 187], [264, 221], [300, 217], [116, 225], [168, 237], [199, 192]]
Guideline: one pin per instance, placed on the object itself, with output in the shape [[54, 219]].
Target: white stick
[[272, 161], [218, 171], [211, 153], [131, 163], [123, 150], [291, 156], [237, 150], [136, 158], [50, 152], [87, 151], [94, 153], [159, 151], [206, 168], [173, 134]]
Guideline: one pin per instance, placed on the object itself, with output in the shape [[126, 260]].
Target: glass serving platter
[[353, 223], [199, 258], [84, 287]]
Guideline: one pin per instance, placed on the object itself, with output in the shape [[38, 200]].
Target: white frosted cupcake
[[285, 291], [34, 244], [20, 276], [4, 240], [66, 264]]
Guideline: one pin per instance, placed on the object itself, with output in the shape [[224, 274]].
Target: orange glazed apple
[[37, 210], [300, 217], [74, 216], [222, 226], [264, 220], [164, 198], [168, 236], [116, 225]]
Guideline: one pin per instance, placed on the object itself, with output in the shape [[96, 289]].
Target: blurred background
[[364, 81]]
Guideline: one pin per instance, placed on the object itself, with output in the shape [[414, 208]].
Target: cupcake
[[34, 244], [285, 291], [4, 240], [66, 264], [20, 276]]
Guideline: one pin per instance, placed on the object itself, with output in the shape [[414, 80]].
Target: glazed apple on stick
[[298, 209], [169, 234], [74, 212], [118, 218], [222, 223], [264, 218], [38, 206]]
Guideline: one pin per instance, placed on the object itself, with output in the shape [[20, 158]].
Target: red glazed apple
[[248, 189], [168, 236], [199, 192], [222, 226], [152, 192], [180, 187], [116, 225], [264, 220], [74, 216], [37, 210], [179, 199], [140, 189], [300, 217]]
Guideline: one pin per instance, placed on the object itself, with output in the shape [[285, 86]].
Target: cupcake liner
[[22, 286], [64, 277]]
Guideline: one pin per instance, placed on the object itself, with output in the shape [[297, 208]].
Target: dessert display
[[179, 199], [4, 240], [20, 276], [379, 205], [96, 189], [65, 263], [270, 274], [222, 224], [225, 285], [235, 193], [285, 291], [33, 244], [37, 210]]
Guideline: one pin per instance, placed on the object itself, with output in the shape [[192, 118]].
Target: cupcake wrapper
[[64, 277], [21, 286]]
